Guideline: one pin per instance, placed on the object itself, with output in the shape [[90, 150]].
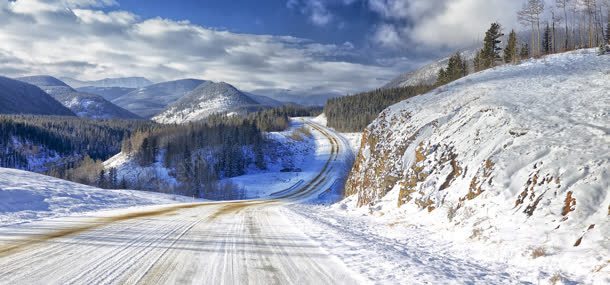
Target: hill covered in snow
[[27, 196], [425, 75], [151, 100], [18, 97], [125, 82], [207, 99], [516, 158], [82, 104]]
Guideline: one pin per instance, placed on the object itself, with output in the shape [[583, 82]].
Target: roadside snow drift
[[27, 196], [517, 158]]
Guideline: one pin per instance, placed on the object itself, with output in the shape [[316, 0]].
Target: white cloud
[[316, 10], [438, 23], [74, 38]]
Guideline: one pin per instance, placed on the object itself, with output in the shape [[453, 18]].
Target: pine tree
[[608, 31], [478, 62], [491, 50], [525, 51], [456, 69], [547, 40], [510, 52]]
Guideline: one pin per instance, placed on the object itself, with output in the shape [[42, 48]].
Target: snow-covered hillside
[[207, 99], [151, 100], [82, 104], [290, 149], [18, 97], [125, 82], [516, 158], [426, 74], [27, 196]]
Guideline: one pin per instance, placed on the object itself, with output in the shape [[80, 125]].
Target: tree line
[[198, 155], [570, 24], [22, 136], [353, 113], [583, 28]]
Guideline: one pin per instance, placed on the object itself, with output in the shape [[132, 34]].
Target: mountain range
[[151, 100], [127, 82], [82, 104], [18, 97]]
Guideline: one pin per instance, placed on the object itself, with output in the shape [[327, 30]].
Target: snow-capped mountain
[[516, 157], [207, 99], [82, 104], [18, 97], [109, 93], [426, 74], [150, 100], [126, 82]]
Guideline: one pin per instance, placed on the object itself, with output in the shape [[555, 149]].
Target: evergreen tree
[[608, 31], [547, 40], [456, 69], [491, 49], [525, 51], [478, 62], [510, 52]]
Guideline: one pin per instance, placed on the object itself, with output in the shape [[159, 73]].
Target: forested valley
[[197, 154]]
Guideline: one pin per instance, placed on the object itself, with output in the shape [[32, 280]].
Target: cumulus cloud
[[75, 38], [437, 23], [315, 9]]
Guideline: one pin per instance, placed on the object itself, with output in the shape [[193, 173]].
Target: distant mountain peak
[[126, 82], [207, 99]]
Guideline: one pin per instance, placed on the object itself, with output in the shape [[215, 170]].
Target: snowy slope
[[207, 99], [516, 158], [151, 100], [125, 82], [82, 104], [426, 74], [18, 97], [27, 196]]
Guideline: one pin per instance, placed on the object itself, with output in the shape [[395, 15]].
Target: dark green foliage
[[478, 62], [524, 52], [276, 119], [68, 136], [510, 52], [490, 53], [456, 69], [354, 113], [547, 40]]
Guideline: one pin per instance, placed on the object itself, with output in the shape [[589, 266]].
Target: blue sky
[[311, 46], [350, 22]]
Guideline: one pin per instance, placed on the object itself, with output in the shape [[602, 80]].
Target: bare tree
[[530, 15], [563, 5]]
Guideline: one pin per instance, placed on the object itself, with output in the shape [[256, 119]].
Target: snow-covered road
[[284, 240], [202, 243]]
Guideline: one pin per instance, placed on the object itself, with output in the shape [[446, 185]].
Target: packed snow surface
[[27, 196], [514, 160]]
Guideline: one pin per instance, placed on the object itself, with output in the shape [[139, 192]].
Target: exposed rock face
[[513, 153]]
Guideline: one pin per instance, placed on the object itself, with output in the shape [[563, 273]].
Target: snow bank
[[27, 196], [514, 160]]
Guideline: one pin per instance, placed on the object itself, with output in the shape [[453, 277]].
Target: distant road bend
[[238, 242]]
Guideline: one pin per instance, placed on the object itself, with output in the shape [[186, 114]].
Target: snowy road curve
[[244, 242]]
